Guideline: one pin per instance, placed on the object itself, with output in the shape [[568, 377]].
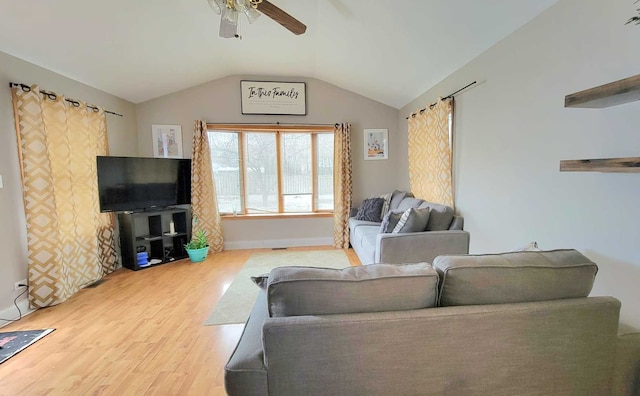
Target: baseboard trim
[[277, 243], [11, 312]]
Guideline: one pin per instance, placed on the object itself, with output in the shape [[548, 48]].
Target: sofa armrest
[[626, 380], [416, 247], [245, 373], [457, 223]]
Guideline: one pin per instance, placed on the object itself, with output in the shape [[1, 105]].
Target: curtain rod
[[263, 127], [267, 123], [53, 96], [446, 97]]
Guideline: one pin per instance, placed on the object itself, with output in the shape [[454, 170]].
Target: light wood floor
[[138, 333]]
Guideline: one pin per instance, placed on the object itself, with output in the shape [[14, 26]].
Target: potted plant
[[198, 247]]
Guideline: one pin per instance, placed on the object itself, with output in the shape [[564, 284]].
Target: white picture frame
[[273, 97], [167, 141], [376, 144]]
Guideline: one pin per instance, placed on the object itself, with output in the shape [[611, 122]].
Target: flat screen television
[[137, 184]]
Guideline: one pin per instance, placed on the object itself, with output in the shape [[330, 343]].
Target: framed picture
[[167, 141], [376, 144], [270, 97]]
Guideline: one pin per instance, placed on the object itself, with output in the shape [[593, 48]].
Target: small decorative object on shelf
[[198, 247]]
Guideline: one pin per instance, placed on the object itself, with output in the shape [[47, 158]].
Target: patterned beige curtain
[[204, 203], [342, 185], [70, 243], [430, 155]]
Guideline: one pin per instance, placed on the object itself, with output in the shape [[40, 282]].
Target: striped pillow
[[412, 220]]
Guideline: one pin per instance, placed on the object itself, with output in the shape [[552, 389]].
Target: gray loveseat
[[508, 324], [442, 234]]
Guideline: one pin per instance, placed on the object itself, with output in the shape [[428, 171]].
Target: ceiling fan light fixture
[[229, 20], [230, 16], [251, 14], [239, 5], [228, 30], [217, 5]]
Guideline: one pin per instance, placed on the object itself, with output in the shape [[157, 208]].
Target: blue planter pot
[[197, 255]]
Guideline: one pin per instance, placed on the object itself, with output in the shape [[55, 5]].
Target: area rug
[[13, 342], [236, 303]]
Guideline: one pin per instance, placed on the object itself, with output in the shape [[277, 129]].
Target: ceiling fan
[[231, 9]]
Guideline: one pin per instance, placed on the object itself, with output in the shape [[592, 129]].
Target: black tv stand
[[151, 229]]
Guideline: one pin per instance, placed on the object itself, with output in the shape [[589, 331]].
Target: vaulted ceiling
[[388, 50]]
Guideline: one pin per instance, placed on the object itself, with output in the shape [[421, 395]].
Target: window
[[264, 170]]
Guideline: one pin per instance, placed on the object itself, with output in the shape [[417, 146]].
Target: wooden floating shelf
[[615, 93], [621, 165]]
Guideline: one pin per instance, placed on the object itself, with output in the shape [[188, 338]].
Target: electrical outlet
[[20, 284]]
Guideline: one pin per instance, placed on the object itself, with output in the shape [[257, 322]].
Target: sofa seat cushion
[[295, 291], [514, 277], [355, 223], [363, 231], [369, 242], [440, 217]]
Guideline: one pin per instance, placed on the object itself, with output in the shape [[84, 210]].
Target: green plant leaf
[[198, 241]]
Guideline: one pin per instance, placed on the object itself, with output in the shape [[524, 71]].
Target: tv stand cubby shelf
[[152, 230]]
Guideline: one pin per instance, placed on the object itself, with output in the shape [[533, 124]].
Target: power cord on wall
[[15, 302]]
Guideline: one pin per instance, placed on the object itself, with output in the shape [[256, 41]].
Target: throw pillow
[[412, 220], [261, 281], [440, 218], [370, 210], [389, 222], [385, 206]]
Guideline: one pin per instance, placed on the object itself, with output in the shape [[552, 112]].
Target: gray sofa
[[517, 323], [443, 234]]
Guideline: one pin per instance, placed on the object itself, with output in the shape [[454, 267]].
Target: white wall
[[512, 130], [13, 240], [218, 101]]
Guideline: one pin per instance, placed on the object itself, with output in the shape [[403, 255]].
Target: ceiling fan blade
[[286, 20]]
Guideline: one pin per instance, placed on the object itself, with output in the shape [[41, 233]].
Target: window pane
[[261, 173], [297, 184], [226, 170], [324, 171]]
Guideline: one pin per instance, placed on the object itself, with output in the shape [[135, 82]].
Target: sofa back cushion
[[294, 291], [514, 277], [397, 197], [409, 202], [440, 217]]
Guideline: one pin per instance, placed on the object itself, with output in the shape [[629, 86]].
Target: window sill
[[277, 216]]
